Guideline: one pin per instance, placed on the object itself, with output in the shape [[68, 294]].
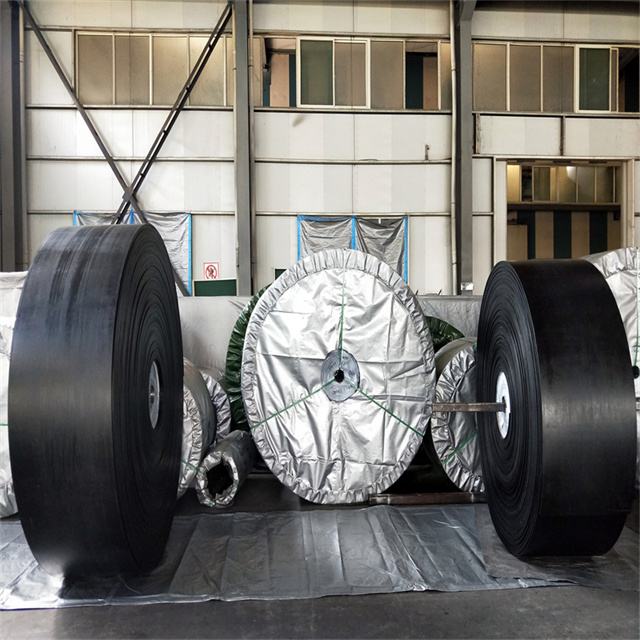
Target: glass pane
[[558, 79], [566, 177], [586, 184], [445, 76], [231, 73], [386, 75], [316, 72], [489, 77], [95, 69], [526, 189], [513, 183], [132, 69], [414, 78], [594, 79], [351, 68], [525, 78], [170, 68], [430, 81], [613, 97], [628, 80], [542, 184], [604, 184], [209, 89], [259, 64]]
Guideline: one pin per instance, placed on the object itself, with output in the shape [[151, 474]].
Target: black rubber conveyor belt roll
[[559, 463], [95, 400]]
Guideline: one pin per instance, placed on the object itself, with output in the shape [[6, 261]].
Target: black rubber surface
[[561, 482], [95, 480]]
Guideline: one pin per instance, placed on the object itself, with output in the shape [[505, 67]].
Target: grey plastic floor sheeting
[[307, 554]]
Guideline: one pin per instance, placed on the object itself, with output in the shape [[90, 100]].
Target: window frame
[[576, 78], [333, 40], [150, 35]]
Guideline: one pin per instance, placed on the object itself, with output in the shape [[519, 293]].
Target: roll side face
[[511, 451], [575, 429], [63, 405]]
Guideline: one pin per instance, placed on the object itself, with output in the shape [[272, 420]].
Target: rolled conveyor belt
[[559, 463], [95, 401]]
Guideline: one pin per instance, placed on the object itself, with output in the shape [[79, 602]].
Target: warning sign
[[211, 270]]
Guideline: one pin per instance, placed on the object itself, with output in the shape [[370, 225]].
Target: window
[[333, 73], [489, 77], [593, 79], [279, 79], [144, 69], [362, 73], [566, 184], [557, 79], [527, 77]]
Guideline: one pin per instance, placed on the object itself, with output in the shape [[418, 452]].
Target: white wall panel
[[419, 18], [69, 186], [403, 136], [430, 254], [300, 188], [482, 251], [213, 240], [518, 135], [276, 246], [613, 138], [617, 23], [402, 188], [169, 14], [552, 21], [42, 84], [310, 16], [364, 17], [40, 226], [500, 212], [90, 13], [482, 185], [308, 136], [208, 186]]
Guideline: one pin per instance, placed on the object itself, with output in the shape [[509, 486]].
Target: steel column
[[242, 119], [463, 170], [14, 255]]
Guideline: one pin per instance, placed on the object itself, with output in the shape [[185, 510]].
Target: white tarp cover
[[345, 302], [454, 434], [621, 269], [198, 425], [10, 290]]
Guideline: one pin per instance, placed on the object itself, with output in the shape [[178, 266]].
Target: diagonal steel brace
[[181, 100]]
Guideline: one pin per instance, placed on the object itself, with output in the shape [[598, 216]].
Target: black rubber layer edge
[[561, 481], [95, 479]]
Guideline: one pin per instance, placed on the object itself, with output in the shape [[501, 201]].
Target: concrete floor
[[550, 612]]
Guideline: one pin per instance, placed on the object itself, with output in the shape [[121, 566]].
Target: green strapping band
[[297, 402], [361, 392], [188, 464], [462, 446]]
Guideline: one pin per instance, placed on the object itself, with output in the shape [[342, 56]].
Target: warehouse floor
[[549, 612]]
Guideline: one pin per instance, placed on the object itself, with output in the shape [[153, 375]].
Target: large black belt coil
[[95, 401], [559, 465]]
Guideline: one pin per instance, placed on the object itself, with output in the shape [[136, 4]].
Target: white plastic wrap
[[454, 434], [198, 424], [621, 269], [10, 290], [233, 458], [220, 404], [333, 306]]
